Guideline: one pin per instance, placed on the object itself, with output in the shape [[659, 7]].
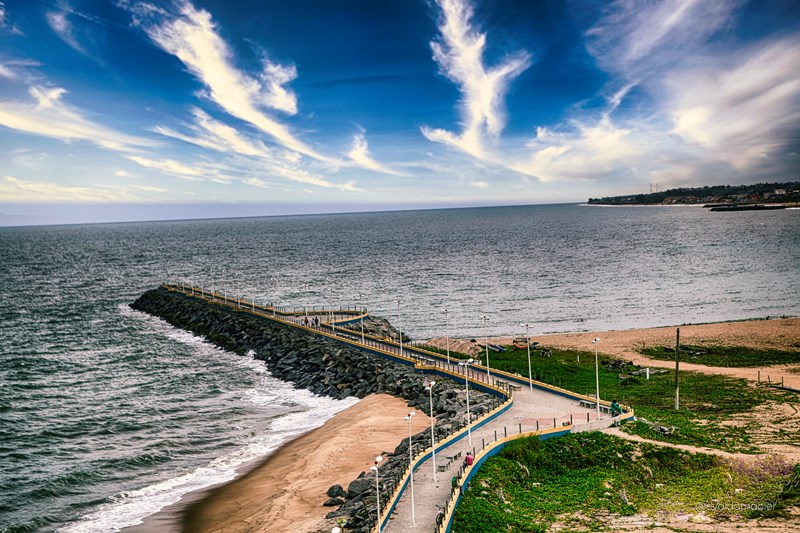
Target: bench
[[514, 387], [587, 404]]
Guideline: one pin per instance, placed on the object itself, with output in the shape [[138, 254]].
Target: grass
[[731, 356], [581, 481], [711, 407]]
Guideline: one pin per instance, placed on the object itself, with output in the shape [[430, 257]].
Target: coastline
[[286, 490]]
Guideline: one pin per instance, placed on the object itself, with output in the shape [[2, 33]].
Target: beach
[[286, 491]]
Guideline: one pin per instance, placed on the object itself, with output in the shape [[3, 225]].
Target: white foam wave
[[309, 411]]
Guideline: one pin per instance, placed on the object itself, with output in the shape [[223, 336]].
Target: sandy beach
[[285, 493]]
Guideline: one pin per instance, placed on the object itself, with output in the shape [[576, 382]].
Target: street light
[[273, 280], [330, 307], [359, 295], [408, 418], [486, 341], [466, 365], [597, 378], [433, 442], [374, 468], [447, 333], [528, 342], [399, 327]]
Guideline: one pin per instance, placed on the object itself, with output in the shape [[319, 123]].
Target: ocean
[[108, 415]]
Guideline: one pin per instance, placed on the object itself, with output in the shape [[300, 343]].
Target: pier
[[523, 408]]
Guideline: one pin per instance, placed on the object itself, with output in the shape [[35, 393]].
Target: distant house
[[780, 192]]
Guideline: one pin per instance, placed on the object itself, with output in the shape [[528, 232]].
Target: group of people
[[309, 321]]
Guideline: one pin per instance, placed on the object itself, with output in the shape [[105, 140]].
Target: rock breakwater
[[326, 367]]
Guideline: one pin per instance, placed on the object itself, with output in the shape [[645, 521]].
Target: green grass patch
[[708, 403], [581, 481], [731, 356]]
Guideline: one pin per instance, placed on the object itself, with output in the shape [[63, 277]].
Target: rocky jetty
[[329, 368]]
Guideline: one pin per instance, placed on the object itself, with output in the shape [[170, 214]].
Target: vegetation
[[713, 409], [758, 192], [732, 356], [582, 481]]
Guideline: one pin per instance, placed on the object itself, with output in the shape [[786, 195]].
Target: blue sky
[[309, 106]]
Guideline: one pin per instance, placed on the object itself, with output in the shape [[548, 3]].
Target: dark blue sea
[[107, 415]]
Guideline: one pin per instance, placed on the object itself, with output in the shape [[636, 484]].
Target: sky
[[126, 109]]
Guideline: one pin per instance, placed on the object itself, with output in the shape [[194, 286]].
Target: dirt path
[[685, 447]]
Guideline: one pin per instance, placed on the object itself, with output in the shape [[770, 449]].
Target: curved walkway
[[533, 408]]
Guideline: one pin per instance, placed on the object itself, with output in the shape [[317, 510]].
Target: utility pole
[[677, 363]]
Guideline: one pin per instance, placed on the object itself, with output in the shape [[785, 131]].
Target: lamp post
[[408, 418], [374, 468], [528, 342], [359, 295], [330, 306], [597, 378], [433, 442], [447, 333], [273, 280], [486, 341], [466, 365], [399, 327]]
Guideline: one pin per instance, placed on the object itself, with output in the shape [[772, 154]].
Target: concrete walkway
[[532, 409], [529, 407]]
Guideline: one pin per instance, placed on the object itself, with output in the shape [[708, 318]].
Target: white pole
[[486, 341], [528, 342], [447, 334], [377, 491], [597, 378], [433, 442], [466, 364], [411, 468], [362, 318], [399, 328]]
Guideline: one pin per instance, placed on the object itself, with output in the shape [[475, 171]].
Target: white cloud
[[480, 184], [586, 152], [191, 36], [7, 73], [361, 156], [60, 24], [638, 38], [121, 174], [17, 190], [50, 117], [741, 107], [169, 166], [148, 188], [459, 54], [214, 135]]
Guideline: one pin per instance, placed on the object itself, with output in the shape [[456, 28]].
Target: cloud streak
[[459, 53], [18, 190], [191, 36], [49, 116], [361, 156]]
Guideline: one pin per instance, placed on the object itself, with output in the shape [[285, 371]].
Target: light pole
[[433, 442], [273, 280], [486, 341], [597, 378], [528, 342], [447, 333], [399, 327], [408, 418], [330, 308], [362, 317], [466, 365], [378, 460]]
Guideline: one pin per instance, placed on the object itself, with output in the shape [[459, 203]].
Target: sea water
[[107, 415]]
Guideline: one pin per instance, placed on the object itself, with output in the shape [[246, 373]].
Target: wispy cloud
[[214, 135], [639, 38], [742, 108], [191, 36], [18, 190], [59, 22], [361, 156], [459, 53], [5, 25], [49, 116], [170, 167]]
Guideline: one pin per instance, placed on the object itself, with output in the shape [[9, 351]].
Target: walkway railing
[[501, 385]]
